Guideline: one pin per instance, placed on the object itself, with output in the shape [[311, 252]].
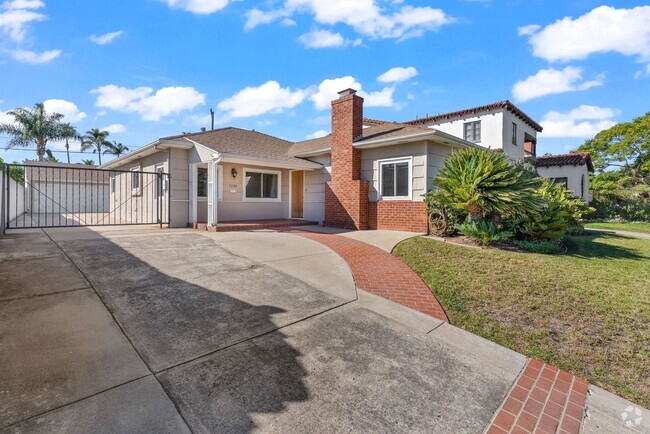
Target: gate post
[[4, 175]]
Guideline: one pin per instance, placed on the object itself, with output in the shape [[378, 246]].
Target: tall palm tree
[[33, 126], [116, 149], [96, 140], [68, 132]]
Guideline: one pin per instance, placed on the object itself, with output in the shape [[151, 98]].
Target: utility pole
[[212, 116]]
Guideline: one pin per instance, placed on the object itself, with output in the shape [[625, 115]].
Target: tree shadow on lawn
[[588, 246]]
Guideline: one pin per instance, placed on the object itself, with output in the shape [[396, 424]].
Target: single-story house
[[356, 177], [571, 170]]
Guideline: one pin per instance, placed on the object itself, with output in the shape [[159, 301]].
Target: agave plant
[[484, 183]]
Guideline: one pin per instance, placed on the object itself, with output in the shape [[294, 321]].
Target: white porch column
[[193, 193], [213, 192]]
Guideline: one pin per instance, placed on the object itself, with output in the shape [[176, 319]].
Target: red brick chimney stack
[[346, 196]]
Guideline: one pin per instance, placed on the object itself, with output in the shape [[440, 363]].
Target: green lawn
[[587, 311], [632, 227]]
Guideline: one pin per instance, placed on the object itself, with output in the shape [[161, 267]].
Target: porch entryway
[[251, 225]]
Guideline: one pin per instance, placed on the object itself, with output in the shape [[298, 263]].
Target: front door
[[296, 194]]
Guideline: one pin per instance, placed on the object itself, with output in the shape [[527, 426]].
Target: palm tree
[[482, 182], [88, 162], [95, 140], [33, 126], [68, 132], [116, 149]]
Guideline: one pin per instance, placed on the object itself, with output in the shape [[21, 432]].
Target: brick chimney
[[346, 195]]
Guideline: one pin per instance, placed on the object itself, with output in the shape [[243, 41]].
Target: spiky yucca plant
[[485, 183]]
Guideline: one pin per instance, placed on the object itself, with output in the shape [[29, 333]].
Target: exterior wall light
[[233, 172]]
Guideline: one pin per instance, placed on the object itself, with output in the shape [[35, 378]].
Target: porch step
[[250, 225]]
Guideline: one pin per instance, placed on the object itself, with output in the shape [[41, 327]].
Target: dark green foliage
[[537, 246], [488, 199], [480, 183], [484, 232], [16, 173]]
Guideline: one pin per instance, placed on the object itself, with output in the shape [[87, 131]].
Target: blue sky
[[150, 68]]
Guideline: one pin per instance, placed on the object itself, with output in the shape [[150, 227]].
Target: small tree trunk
[[99, 152], [40, 150], [67, 150]]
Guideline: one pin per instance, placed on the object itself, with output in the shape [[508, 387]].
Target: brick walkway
[[382, 274], [544, 400]]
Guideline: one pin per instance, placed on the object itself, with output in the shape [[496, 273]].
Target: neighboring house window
[[113, 184], [202, 182], [582, 186], [514, 133], [395, 179], [563, 181], [135, 180], [472, 131], [262, 184]]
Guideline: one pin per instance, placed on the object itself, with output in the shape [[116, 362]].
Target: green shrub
[[484, 232], [537, 246], [438, 200], [483, 183]]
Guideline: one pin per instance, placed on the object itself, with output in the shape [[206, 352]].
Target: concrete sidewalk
[[138, 329]]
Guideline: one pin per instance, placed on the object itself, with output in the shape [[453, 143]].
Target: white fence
[[16, 195]]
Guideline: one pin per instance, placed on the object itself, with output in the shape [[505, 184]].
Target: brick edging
[[544, 399], [381, 273]]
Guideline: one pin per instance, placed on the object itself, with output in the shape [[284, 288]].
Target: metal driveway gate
[[43, 196]]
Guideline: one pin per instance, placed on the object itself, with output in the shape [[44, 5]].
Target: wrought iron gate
[[46, 196]]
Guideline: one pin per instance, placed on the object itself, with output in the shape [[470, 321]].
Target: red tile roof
[[497, 105], [576, 159]]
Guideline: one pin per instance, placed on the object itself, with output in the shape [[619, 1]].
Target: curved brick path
[[380, 273], [544, 400]]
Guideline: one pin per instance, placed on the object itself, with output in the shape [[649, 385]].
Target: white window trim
[[262, 199], [136, 191], [380, 163]]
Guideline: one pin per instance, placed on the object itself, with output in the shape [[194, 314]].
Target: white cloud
[[328, 90], [604, 29], [553, 81], [17, 15], [645, 72], [6, 118], [288, 22], [256, 17], [114, 128], [106, 38], [68, 109], [398, 74], [528, 30], [34, 58], [267, 98], [316, 134], [584, 121], [149, 105], [200, 7], [325, 39], [366, 17]]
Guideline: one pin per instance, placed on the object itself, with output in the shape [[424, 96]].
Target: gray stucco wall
[[314, 194]]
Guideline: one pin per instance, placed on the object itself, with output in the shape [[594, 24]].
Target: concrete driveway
[[143, 330]]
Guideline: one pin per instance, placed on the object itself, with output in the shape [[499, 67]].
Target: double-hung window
[[261, 184], [395, 178], [514, 133], [472, 131]]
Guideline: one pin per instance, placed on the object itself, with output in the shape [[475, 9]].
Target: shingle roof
[[385, 130], [232, 140], [369, 121], [576, 159], [497, 105], [63, 172]]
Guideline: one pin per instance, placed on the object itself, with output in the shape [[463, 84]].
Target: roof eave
[[269, 162], [146, 150], [433, 135]]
